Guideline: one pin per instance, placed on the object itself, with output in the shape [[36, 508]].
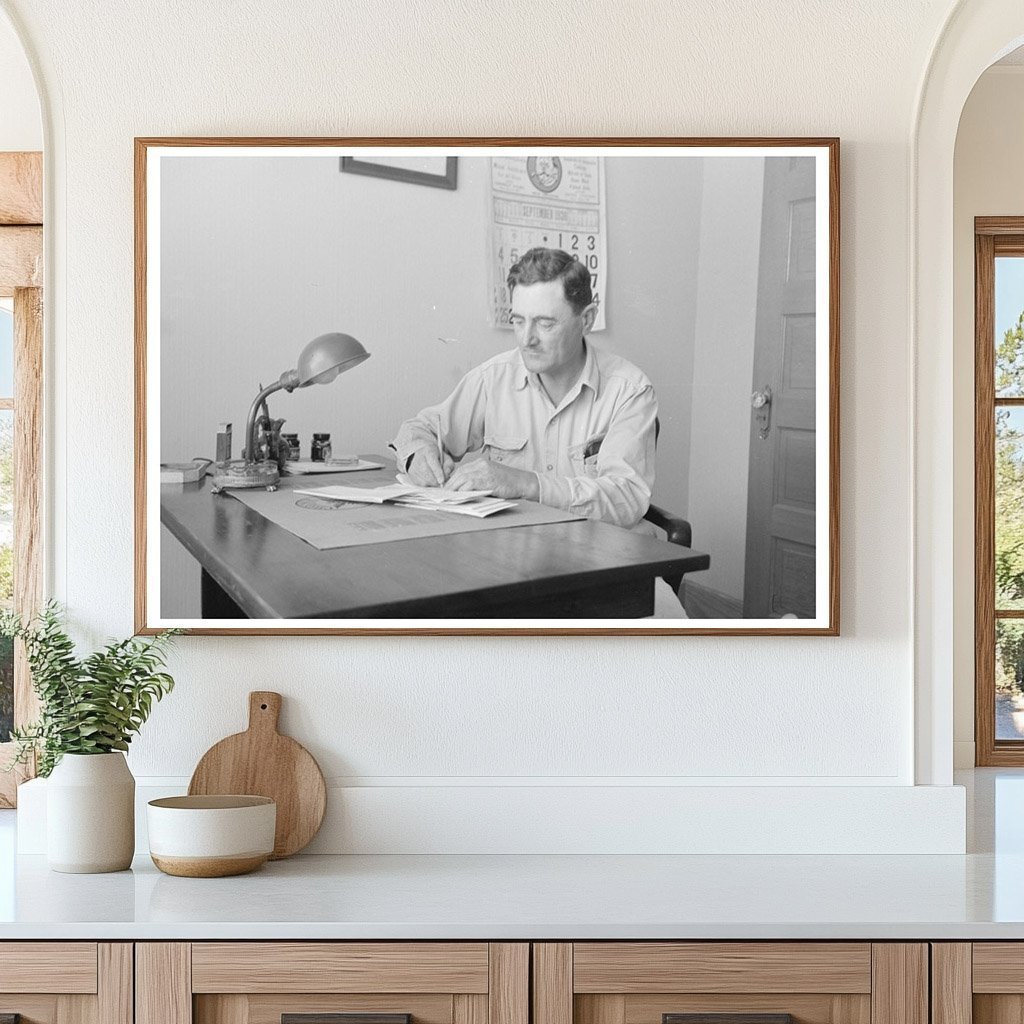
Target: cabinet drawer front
[[57, 967], [998, 967], [634, 967], [339, 967], [259, 1008]]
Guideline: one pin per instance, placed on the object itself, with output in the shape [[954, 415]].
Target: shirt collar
[[590, 377]]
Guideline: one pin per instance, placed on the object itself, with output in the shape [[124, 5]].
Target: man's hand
[[427, 470], [501, 481]]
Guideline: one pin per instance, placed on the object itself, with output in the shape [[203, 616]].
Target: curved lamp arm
[[250, 423], [323, 359]]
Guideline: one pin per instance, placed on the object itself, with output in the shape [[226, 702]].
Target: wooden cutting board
[[262, 762]]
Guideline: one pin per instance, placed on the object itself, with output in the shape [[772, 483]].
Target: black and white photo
[[572, 388]]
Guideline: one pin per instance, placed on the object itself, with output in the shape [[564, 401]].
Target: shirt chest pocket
[[584, 456], [507, 449]]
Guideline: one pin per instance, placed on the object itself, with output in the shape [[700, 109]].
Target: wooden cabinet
[[977, 983], [66, 982], [301, 982], [750, 982], [510, 983]]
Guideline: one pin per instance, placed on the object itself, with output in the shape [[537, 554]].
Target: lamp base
[[239, 474]]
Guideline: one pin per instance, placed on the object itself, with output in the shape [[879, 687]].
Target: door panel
[[781, 540]]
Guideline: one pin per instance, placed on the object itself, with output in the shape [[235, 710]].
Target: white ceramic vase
[[90, 814]]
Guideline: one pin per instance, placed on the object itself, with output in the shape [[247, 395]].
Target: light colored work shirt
[[593, 453]]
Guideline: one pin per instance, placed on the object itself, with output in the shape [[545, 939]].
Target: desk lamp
[[323, 359]]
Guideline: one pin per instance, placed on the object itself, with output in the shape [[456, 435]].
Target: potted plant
[[90, 708]]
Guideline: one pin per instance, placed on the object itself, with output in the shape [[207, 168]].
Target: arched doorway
[[977, 33]]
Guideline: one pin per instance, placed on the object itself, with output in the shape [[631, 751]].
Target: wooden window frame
[[21, 278]]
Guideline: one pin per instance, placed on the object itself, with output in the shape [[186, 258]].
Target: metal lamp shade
[[327, 356]]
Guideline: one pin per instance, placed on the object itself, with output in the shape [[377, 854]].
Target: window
[[999, 490], [21, 366]]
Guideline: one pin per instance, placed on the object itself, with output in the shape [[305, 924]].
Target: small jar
[[321, 451], [290, 442]]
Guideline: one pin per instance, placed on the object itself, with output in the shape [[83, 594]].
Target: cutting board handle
[[264, 710]]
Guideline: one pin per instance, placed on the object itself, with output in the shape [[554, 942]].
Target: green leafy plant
[[89, 705]]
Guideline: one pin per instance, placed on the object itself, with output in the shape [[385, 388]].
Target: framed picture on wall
[[584, 386]]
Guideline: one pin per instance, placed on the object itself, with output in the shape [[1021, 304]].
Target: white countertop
[[976, 896], [532, 897]]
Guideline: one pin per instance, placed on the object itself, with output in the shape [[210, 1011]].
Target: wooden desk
[[252, 568]]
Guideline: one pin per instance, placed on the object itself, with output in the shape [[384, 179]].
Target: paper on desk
[[441, 495], [375, 495], [342, 524], [392, 492], [479, 507]]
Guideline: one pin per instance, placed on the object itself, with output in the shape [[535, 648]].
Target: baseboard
[[704, 602], [603, 819]]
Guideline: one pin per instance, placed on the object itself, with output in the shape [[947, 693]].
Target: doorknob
[[761, 403]]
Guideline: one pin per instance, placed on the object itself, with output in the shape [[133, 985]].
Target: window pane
[[1009, 679], [6, 353], [1009, 523], [1009, 327]]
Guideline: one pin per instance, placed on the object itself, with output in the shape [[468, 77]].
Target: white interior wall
[[21, 129], [987, 182], [836, 711], [730, 244]]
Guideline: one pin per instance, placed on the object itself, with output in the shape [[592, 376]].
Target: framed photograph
[[587, 386], [438, 171]]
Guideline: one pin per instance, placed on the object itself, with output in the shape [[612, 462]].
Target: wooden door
[[338, 982], [730, 983], [780, 566], [66, 982]]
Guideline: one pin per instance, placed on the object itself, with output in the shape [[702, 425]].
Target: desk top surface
[[272, 573]]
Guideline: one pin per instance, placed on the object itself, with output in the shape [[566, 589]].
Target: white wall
[[987, 182], [814, 712], [20, 126], [730, 246]]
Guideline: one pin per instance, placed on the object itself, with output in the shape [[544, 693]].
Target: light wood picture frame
[[714, 273]]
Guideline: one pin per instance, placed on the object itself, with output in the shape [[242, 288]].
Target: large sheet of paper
[[554, 201], [337, 524]]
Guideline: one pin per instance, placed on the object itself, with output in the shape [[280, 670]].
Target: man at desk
[[555, 420]]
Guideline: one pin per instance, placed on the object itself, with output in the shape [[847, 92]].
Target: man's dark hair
[[540, 265]]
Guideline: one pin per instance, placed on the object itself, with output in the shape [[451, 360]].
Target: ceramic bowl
[[211, 836]]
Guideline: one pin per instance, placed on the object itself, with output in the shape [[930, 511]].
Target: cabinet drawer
[[61, 982], [721, 967], [733, 982], [339, 967], [308, 982], [68, 967]]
